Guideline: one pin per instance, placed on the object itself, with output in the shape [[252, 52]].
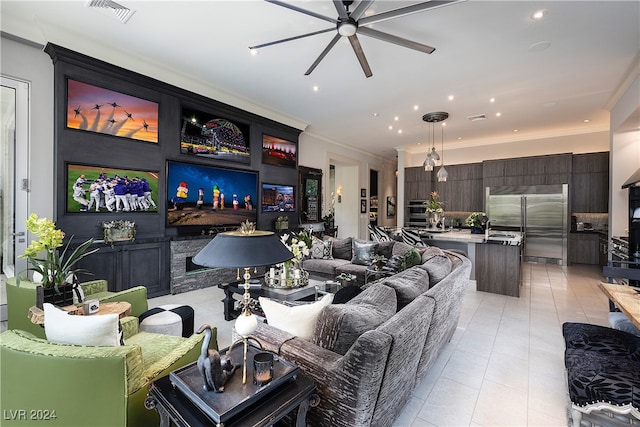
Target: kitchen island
[[495, 260]]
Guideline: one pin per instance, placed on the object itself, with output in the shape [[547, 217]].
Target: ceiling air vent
[[122, 13], [477, 117]]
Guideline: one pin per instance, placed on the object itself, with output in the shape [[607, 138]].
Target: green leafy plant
[[347, 277], [54, 267]]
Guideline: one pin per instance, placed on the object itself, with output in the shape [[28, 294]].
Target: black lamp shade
[[236, 249]]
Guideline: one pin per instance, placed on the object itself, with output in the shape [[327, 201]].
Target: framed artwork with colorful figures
[[95, 109]]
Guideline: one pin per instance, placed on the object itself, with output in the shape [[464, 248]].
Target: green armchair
[[87, 385], [20, 298]]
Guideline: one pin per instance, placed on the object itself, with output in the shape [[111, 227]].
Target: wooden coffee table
[[121, 308]]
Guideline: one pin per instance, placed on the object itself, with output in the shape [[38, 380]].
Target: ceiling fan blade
[[305, 11], [403, 11], [288, 39], [395, 40], [355, 44], [326, 50], [342, 11], [361, 9]]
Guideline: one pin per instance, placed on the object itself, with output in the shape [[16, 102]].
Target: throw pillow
[[437, 264], [321, 249], [298, 320], [341, 248], [363, 252], [411, 258], [61, 327], [394, 264], [346, 294]]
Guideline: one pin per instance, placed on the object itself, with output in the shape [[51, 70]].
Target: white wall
[[583, 143], [29, 63]]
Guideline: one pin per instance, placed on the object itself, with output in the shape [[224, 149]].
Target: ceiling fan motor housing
[[347, 27]]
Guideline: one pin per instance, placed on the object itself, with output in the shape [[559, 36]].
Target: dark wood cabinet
[[463, 190], [498, 277], [584, 248], [125, 265], [535, 170], [590, 183]]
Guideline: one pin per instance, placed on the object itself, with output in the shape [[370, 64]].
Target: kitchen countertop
[[495, 237]]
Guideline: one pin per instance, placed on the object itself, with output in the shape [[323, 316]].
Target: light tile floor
[[503, 366]]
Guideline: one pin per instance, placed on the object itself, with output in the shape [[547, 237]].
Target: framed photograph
[[277, 151], [201, 195], [391, 206], [363, 205], [95, 109], [101, 189], [278, 198], [363, 192], [214, 137]]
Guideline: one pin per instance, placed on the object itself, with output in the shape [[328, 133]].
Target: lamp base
[[245, 342]]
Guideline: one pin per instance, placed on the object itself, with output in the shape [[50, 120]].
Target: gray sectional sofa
[[349, 255], [366, 355]]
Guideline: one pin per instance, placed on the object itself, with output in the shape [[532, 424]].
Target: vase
[[62, 298], [434, 219]]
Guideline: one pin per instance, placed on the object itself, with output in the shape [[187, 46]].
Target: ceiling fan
[[350, 24]]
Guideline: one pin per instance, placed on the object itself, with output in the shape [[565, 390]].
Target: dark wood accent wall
[[147, 260]]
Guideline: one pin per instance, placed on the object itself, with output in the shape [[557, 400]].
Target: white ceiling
[[484, 49]]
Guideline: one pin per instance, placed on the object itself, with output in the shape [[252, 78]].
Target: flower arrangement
[[117, 230], [435, 204], [330, 215], [55, 268], [476, 220], [298, 245]]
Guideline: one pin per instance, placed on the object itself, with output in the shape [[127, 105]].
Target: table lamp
[[244, 248]]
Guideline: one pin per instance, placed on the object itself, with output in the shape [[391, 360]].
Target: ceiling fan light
[[347, 29], [442, 174]]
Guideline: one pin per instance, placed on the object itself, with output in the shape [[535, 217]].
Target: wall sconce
[[339, 192]]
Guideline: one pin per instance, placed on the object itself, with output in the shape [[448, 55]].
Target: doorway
[[14, 185]]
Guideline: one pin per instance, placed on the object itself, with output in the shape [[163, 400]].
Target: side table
[[175, 407]]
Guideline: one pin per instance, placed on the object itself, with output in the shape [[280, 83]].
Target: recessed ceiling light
[[586, 120], [498, 114], [538, 14], [492, 100], [516, 130], [399, 131], [450, 97], [444, 123], [396, 118], [459, 137], [390, 127], [415, 108], [315, 88], [375, 114]]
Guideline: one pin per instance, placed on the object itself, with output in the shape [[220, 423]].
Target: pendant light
[[433, 156], [442, 173]]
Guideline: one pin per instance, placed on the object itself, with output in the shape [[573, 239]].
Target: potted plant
[[57, 269], [477, 222], [346, 278], [434, 207]]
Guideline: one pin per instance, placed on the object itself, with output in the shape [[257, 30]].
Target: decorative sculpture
[[215, 369]]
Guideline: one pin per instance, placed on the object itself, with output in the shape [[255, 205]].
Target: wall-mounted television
[[278, 198], [200, 195]]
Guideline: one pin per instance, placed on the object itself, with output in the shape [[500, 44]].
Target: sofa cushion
[[408, 285], [325, 267], [298, 320], [400, 248], [386, 248], [363, 252], [341, 248], [346, 294], [437, 264], [340, 325], [98, 330], [321, 249]]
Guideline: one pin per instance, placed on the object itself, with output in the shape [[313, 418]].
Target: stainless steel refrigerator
[[539, 212]]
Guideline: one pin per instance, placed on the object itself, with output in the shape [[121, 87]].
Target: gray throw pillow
[[436, 263], [363, 252], [408, 284], [340, 325], [341, 248]]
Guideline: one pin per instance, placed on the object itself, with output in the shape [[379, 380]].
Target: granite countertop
[[495, 237]]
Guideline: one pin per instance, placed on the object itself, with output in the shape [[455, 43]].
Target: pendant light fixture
[[442, 173], [433, 156]]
